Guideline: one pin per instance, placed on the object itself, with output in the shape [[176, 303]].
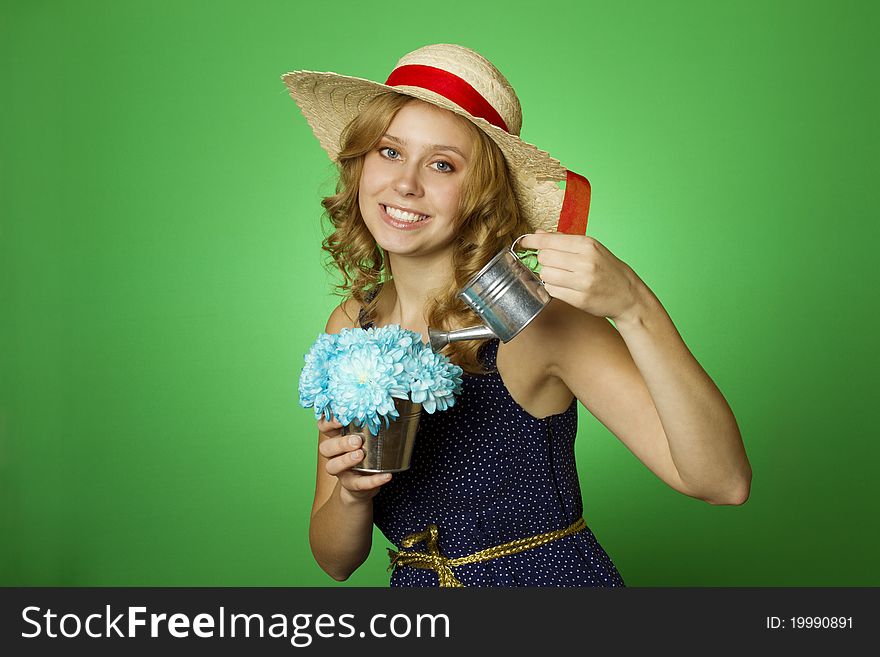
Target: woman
[[434, 181]]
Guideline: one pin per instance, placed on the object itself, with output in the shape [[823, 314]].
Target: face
[[411, 182]]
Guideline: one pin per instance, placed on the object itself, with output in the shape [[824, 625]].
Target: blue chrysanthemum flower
[[363, 385], [395, 346], [316, 373], [348, 339], [435, 381], [356, 375]]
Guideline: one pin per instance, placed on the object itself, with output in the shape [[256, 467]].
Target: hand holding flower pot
[[375, 382]]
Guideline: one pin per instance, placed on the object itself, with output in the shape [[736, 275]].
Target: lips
[[402, 219], [403, 214]]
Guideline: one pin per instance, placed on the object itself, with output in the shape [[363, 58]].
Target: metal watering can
[[506, 294]]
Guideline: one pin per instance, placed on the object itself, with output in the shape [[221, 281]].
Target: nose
[[407, 182]]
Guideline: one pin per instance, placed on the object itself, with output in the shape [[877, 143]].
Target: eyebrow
[[431, 147]]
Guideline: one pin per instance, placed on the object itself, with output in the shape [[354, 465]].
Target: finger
[[344, 462], [332, 447], [562, 278], [331, 433], [328, 425], [569, 296], [361, 482], [574, 262], [539, 240], [531, 241], [558, 241]]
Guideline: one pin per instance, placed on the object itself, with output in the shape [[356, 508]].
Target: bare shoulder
[[345, 315]]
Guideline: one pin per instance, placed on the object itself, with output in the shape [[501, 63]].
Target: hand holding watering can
[[575, 268], [582, 272]]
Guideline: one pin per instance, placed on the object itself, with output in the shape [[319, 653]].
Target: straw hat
[[462, 81]]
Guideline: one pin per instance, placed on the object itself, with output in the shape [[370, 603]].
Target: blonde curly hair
[[488, 220]]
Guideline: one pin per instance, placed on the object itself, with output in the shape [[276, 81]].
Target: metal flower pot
[[391, 449]]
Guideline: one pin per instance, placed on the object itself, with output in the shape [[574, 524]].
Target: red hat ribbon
[[575, 205], [448, 85]]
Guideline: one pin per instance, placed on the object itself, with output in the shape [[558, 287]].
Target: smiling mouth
[[403, 215]]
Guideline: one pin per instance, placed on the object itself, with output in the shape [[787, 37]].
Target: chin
[[392, 241], [393, 246]]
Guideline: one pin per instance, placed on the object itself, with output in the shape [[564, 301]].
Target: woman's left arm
[[704, 442]]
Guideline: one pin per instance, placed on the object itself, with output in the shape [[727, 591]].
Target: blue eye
[[389, 152], [444, 167]]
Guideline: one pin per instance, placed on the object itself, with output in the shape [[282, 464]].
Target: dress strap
[[488, 354], [362, 319], [362, 315]]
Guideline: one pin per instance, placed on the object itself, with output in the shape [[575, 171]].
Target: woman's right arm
[[341, 527]]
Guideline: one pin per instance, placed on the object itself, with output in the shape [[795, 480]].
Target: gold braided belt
[[433, 560]]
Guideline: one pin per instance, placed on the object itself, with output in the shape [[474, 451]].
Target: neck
[[414, 282]]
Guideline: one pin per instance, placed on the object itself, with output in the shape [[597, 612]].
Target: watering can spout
[[439, 338]]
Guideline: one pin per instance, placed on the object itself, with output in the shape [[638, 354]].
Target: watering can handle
[[513, 246]]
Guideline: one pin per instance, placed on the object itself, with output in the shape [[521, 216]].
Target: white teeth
[[400, 215]]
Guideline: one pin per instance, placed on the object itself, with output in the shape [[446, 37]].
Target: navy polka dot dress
[[486, 472]]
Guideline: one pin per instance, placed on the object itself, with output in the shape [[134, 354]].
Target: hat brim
[[329, 102]]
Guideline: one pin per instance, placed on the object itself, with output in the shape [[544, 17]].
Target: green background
[[161, 272]]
